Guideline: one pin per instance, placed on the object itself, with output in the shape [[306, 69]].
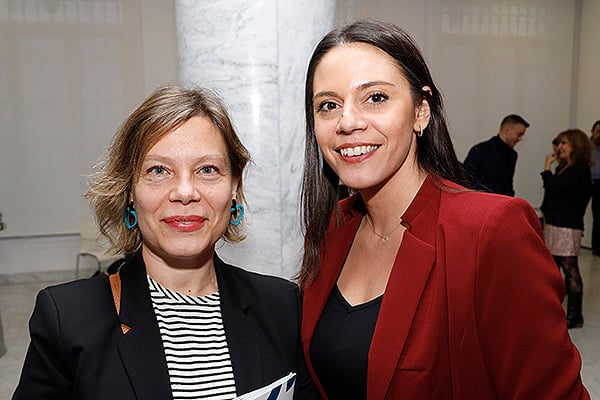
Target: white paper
[[281, 389]]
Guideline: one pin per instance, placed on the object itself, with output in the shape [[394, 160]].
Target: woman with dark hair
[[173, 320], [415, 287], [567, 193]]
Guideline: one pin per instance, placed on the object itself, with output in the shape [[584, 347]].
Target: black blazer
[[78, 350]]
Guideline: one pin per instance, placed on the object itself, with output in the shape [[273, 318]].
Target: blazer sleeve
[[45, 373], [471, 166], [520, 320], [472, 160]]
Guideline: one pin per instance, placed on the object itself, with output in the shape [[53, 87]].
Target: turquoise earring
[[237, 212], [130, 216]]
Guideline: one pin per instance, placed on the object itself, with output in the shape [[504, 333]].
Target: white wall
[[70, 72]]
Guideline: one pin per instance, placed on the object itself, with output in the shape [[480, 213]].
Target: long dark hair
[[435, 152]]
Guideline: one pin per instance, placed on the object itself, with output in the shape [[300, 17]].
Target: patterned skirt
[[564, 242]]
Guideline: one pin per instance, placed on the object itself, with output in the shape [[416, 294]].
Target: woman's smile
[[365, 115], [187, 223], [357, 150]]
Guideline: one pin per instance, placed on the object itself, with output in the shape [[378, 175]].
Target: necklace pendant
[[385, 240]]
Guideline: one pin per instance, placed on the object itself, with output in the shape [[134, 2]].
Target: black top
[[566, 196], [340, 346], [490, 166]]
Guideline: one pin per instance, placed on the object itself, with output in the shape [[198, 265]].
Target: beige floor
[[16, 302]]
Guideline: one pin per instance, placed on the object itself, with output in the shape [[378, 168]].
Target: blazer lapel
[[408, 279], [404, 289], [141, 348], [333, 254], [412, 267], [242, 333]]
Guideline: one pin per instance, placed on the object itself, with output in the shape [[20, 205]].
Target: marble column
[[254, 53]]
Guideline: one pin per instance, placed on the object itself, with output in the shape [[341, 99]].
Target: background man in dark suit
[[490, 165]]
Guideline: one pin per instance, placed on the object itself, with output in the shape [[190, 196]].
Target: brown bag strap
[[115, 287]]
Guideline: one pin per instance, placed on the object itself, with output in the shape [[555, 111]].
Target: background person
[[414, 286], [554, 151], [567, 192], [490, 165], [189, 325], [596, 189]]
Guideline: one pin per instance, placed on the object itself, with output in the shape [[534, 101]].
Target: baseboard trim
[[45, 276]]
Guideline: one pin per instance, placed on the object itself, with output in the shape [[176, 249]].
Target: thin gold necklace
[[384, 238]]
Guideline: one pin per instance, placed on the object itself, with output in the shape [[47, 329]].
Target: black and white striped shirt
[[195, 344]]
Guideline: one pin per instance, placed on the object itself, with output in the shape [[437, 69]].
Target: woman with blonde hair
[[173, 321]]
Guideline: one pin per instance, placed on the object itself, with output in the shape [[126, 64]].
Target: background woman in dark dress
[[567, 192]]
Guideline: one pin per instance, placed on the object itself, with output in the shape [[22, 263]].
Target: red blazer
[[472, 308]]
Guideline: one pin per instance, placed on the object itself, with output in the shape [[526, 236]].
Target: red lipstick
[[185, 223]]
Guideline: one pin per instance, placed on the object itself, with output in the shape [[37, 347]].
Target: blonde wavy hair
[[164, 110]]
